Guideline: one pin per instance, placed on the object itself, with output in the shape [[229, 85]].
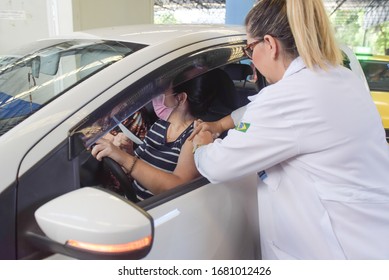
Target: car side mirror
[[92, 223]]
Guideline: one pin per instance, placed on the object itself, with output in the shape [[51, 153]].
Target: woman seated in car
[[165, 159]]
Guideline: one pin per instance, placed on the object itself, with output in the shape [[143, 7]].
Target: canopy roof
[[376, 11]]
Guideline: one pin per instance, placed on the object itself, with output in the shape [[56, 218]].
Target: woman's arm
[[158, 181], [150, 177], [218, 127]]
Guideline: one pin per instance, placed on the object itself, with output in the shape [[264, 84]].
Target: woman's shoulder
[[186, 133]]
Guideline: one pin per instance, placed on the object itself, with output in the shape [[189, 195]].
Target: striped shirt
[[159, 153]]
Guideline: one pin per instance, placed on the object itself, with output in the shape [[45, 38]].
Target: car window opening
[[237, 82]]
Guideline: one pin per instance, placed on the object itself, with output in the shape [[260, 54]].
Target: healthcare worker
[[313, 136]]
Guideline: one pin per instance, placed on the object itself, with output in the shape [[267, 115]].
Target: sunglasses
[[249, 49]]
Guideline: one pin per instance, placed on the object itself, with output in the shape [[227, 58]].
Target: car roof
[[152, 34]]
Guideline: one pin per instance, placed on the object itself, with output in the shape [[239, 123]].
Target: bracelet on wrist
[[132, 166]]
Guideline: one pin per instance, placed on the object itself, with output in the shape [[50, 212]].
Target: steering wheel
[[118, 172]]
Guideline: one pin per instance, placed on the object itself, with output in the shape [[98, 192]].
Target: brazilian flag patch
[[243, 127]]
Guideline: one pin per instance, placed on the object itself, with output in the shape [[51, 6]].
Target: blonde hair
[[302, 27], [313, 33]]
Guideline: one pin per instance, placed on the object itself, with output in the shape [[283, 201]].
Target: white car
[[63, 94]]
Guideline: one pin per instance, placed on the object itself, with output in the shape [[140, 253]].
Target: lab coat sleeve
[[237, 115], [269, 140]]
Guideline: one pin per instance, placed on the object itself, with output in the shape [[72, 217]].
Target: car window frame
[[144, 90], [220, 55]]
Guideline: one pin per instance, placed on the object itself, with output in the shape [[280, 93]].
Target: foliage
[[381, 38], [349, 29], [348, 25], [165, 18]]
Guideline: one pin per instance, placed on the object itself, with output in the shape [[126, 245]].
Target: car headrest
[[238, 72], [226, 99]]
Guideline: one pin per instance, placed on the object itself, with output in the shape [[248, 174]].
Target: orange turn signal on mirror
[[112, 248]]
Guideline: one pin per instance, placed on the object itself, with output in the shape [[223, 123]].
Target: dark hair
[[201, 91]]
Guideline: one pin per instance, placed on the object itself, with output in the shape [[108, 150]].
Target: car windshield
[[377, 74], [32, 77]]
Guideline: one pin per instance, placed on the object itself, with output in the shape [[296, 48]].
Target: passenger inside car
[[165, 159]]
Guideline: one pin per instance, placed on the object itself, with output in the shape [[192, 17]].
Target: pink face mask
[[161, 110]]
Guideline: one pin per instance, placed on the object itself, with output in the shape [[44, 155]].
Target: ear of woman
[[181, 97], [273, 45]]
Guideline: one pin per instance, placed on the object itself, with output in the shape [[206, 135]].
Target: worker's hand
[[202, 138], [213, 128]]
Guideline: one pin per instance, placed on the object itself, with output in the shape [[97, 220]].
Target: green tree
[[165, 18], [380, 40], [348, 25]]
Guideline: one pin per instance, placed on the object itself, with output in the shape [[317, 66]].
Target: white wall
[[22, 21], [59, 16], [99, 13]]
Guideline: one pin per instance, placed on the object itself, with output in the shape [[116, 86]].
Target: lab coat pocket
[[271, 177], [348, 193]]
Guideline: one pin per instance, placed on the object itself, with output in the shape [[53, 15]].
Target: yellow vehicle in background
[[376, 69]]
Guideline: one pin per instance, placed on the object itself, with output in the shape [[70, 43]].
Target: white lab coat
[[316, 140]]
